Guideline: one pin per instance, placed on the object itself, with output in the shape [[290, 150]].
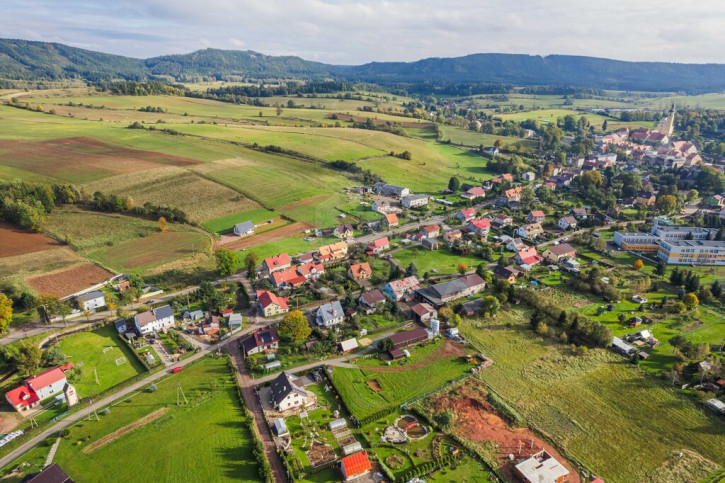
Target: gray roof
[[243, 227], [120, 323], [284, 385], [328, 312], [445, 289], [416, 197], [163, 312], [96, 294]]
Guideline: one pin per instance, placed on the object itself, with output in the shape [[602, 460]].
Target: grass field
[[88, 348], [204, 440], [599, 409], [474, 139], [226, 223], [441, 260], [426, 372]]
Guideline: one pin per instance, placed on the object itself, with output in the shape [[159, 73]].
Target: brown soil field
[[30, 264], [305, 202], [374, 385], [16, 241], [121, 432], [69, 281], [81, 159], [279, 234], [476, 420], [447, 350]]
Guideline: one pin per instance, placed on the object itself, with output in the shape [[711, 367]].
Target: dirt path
[[447, 350], [121, 432]]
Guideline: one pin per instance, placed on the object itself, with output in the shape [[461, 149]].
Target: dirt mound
[[121, 432], [374, 385]]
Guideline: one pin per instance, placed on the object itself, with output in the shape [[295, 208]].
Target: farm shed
[[338, 424], [618, 345], [280, 427], [273, 365], [409, 337], [348, 345], [716, 405], [244, 228]]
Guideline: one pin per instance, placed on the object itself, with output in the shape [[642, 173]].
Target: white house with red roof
[[429, 231], [397, 289], [466, 214], [536, 216], [528, 256], [377, 246], [37, 388], [391, 219], [277, 262], [311, 271], [474, 193], [272, 304], [287, 277], [479, 227]]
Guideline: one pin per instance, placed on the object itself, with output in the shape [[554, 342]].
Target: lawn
[[204, 440], [98, 351], [441, 261], [597, 408], [226, 223], [291, 246], [396, 387]]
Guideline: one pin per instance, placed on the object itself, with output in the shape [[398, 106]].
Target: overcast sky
[[353, 32]]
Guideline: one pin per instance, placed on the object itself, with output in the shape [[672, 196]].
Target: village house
[[430, 231], [382, 207], [444, 292], [452, 235], [492, 151], [528, 176], [390, 190], [479, 227], [344, 231], [513, 194], [36, 389], [330, 314], [528, 256], [423, 312], [645, 198], [429, 244], [474, 193], [234, 321], [504, 177], [277, 262], [311, 271], [558, 253], [244, 228], [369, 301], [288, 393], [355, 466], [415, 201], [287, 278], [154, 320], [397, 289], [209, 325], [566, 222], [530, 231], [510, 274], [579, 213], [334, 251], [377, 246], [360, 271], [91, 300], [501, 220], [271, 304], [409, 337], [536, 216], [262, 340], [466, 214], [541, 467], [391, 220], [348, 345], [516, 245]]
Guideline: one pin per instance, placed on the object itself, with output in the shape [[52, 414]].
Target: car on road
[[177, 370]]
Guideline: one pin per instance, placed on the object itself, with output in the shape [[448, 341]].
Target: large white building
[[692, 252], [154, 320]]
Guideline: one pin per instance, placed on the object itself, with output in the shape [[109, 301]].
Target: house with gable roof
[[288, 393]]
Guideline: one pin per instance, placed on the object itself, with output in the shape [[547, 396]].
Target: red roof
[[277, 261], [267, 298], [482, 224], [356, 464], [431, 228], [67, 366], [45, 378], [538, 213], [391, 218], [476, 191], [468, 212], [21, 395]]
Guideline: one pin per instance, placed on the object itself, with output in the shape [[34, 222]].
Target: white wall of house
[[94, 303], [47, 391], [156, 325]]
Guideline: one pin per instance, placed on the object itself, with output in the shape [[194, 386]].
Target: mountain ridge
[[24, 60]]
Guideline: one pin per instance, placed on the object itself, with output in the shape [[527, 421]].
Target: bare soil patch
[[269, 236], [447, 350], [320, 453], [305, 202], [82, 158], [69, 281], [477, 421], [16, 241], [692, 326], [374, 385], [583, 303], [121, 432]]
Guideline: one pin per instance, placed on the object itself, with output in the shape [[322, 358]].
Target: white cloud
[[356, 31]]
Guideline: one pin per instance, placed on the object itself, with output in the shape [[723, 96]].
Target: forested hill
[[27, 60]]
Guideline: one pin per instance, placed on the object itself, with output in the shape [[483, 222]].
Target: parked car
[[176, 370]]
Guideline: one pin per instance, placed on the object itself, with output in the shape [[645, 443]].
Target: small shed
[[280, 427], [429, 244], [348, 345], [716, 405], [338, 424], [272, 365], [643, 355], [396, 354], [453, 331], [235, 321]]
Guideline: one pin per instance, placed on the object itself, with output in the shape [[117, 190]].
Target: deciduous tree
[[6, 312], [295, 325], [226, 261]]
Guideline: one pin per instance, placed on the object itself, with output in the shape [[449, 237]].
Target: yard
[[99, 352], [153, 433], [441, 261]]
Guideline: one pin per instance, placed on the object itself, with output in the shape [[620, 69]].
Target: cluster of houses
[[286, 273], [42, 386]]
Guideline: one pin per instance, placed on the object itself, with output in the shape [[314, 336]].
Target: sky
[[356, 32]]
